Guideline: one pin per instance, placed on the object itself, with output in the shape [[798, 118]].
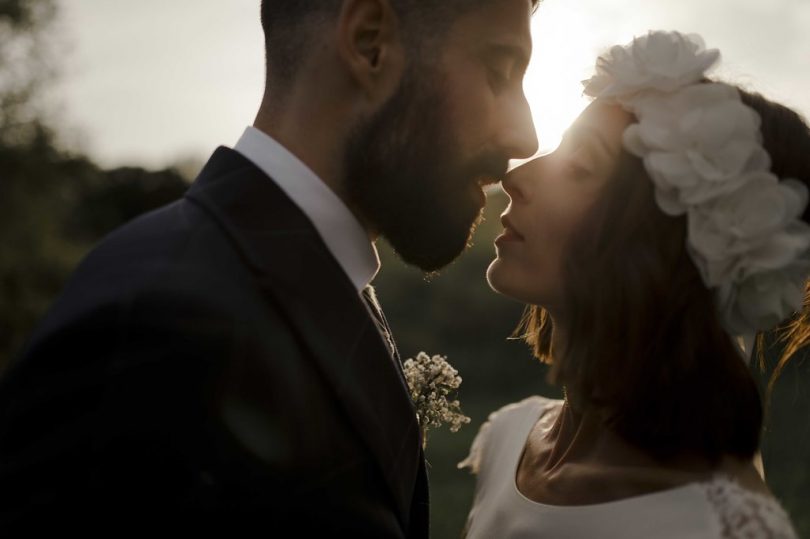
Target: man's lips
[[480, 184]]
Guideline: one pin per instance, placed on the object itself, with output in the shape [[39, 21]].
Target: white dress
[[716, 509]]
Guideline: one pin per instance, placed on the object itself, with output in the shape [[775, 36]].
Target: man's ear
[[369, 44]]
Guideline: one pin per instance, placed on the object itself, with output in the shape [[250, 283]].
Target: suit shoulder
[[174, 251]]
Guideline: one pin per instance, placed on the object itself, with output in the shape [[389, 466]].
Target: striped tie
[[370, 298]]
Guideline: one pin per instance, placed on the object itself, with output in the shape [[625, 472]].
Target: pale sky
[[150, 82]]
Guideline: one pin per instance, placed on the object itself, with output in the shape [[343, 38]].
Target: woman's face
[[550, 196]]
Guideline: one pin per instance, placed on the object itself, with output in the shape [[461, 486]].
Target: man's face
[[416, 169]]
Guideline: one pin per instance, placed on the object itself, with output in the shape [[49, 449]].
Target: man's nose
[[518, 138]]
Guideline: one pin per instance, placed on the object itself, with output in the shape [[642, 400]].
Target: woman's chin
[[508, 280], [498, 278]]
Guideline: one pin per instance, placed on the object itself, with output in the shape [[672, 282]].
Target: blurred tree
[[53, 206], [119, 196], [26, 36], [25, 149]]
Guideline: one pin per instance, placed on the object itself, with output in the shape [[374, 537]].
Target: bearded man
[[223, 360]]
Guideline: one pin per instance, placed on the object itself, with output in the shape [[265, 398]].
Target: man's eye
[[497, 78]]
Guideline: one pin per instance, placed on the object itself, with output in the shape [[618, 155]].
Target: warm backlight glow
[[564, 52]]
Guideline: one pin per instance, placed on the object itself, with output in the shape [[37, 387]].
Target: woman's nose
[[517, 183]]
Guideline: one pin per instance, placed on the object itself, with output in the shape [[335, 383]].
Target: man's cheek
[[469, 98]]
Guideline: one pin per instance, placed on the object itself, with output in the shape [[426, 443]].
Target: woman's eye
[[571, 146], [580, 161], [579, 170]]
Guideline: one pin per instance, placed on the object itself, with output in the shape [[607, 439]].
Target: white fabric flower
[[696, 144], [663, 61], [763, 300], [754, 229], [702, 148]]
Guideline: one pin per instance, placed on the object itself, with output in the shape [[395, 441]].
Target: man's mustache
[[489, 168]]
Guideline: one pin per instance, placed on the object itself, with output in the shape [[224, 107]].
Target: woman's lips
[[509, 232]]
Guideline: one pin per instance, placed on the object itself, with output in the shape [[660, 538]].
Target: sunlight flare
[[564, 48]]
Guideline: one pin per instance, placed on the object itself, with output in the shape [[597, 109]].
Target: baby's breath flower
[[430, 380]]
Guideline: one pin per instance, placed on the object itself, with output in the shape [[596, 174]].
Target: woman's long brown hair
[[644, 344]]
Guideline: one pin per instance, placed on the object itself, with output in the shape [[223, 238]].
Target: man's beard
[[406, 179]]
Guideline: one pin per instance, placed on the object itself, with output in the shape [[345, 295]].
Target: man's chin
[[479, 195], [433, 250], [429, 262]]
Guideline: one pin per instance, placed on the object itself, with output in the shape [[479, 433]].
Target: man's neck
[[313, 134]]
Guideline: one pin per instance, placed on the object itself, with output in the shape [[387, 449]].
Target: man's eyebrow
[[519, 54]]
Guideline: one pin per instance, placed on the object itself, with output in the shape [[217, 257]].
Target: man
[[223, 359]]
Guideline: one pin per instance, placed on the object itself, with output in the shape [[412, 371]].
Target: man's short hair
[[288, 26]]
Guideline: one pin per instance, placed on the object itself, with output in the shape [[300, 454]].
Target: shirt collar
[[340, 230]]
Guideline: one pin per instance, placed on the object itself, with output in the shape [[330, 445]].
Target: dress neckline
[[604, 506]]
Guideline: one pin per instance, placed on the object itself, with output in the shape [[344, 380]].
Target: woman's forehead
[[606, 119]]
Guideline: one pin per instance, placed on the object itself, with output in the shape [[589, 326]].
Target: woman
[[663, 228]]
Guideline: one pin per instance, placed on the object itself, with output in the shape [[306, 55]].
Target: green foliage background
[[54, 206]]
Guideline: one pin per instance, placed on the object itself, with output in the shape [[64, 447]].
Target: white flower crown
[[702, 148]]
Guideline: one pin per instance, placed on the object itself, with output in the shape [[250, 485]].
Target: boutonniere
[[431, 381]]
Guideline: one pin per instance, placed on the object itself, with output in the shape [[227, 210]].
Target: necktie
[[370, 298], [420, 503]]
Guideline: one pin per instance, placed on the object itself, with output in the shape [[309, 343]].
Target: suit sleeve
[[116, 408]]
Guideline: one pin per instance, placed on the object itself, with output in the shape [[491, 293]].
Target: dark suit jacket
[[211, 364]]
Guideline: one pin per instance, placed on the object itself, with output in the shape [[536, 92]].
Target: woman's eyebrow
[[584, 133]]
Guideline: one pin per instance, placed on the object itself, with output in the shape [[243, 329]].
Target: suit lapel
[[298, 273]]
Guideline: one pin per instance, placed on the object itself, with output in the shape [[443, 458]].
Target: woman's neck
[[580, 436], [581, 460]]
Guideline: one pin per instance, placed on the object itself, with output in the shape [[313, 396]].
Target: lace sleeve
[[742, 513]]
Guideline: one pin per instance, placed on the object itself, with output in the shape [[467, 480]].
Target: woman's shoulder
[[507, 418], [742, 512], [536, 404]]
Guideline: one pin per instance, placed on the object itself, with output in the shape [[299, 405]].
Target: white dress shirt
[[340, 230]]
